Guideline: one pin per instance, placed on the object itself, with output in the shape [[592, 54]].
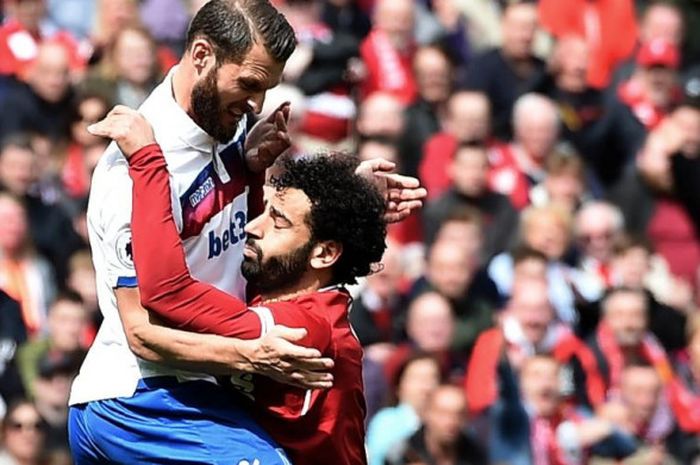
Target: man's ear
[[325, 254], [203, 56]]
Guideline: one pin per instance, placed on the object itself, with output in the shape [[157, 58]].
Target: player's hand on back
[[268, 139], [276, 356], [403, 194], [127, 127]]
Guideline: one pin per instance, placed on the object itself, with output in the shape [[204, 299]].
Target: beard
[[277, 272], [207, 111]]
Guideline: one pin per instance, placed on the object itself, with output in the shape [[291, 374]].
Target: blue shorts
[[167, 422]]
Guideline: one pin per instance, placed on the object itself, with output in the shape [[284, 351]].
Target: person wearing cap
[[639, 105]]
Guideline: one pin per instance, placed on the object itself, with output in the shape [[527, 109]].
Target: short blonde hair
[[532, 213]]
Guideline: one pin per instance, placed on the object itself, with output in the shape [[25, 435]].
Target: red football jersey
[[316, 427]]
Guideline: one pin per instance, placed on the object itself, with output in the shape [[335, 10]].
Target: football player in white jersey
[[145, 393]]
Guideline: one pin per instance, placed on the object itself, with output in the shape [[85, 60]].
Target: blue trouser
[[167, 422]]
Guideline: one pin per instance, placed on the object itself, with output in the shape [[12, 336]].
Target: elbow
[[136, 337]]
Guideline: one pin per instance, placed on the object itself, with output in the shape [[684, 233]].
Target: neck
[[183, 82], [441, 452], [306, 285]]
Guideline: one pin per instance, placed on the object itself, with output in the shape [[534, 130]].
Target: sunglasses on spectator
[[587, 238], [28, 426]]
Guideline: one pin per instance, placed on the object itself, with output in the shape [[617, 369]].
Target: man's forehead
[[293, 203], [259, 65]]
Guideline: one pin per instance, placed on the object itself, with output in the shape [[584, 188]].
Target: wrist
[[144, 153], [241, 355]]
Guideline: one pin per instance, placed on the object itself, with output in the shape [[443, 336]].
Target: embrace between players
[[322, 226]]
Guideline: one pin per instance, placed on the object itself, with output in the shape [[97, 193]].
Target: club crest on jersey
[[201, 192], [123, 248]]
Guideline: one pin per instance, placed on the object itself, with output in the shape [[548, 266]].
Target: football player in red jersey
[[323, 226]]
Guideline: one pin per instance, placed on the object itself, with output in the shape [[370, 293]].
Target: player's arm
[[276, 354], [165, 284]]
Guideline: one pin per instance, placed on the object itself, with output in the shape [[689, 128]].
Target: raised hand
[[268, 139], [127, 127], [403, 194]]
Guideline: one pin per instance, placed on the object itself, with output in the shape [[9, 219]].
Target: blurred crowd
[[540, 310]]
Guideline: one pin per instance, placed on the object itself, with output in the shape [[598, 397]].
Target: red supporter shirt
[[314, 426], [608, 26], [388, 70], [19, 47]]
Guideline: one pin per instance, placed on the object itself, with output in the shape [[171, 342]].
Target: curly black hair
[[345, 208]]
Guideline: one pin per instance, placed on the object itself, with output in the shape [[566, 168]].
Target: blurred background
[[542, 307]]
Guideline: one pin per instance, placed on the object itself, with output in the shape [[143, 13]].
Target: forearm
[[153, 342], [190, 351]]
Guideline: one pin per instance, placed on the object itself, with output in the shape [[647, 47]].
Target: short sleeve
[[114, 225], [294, 316]]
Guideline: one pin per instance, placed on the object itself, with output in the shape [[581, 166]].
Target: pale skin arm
[[273, 355]]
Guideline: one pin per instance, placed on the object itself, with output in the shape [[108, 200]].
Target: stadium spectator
[[564, 183], [74, 16], [463, 228], [623, 339], [443, 437], [423, 118], [466, 121], [638, 106], [167, 22], [453, 271], [647, 196], [129, 68], [684, 391], [506, 73], [388, 51], [646, 417], [380, 114], [82, 281], [345, 16], [548, 231], [22, 35], [324, 66], [659, 20], [610, 29], [634, 266], [50, 228], [518, 166], [84, 149], [111, 17], [378, 147], [430, 328], [66, 322], [580, 106], [527, 327], [12, 333], [23, 435], [43, 104], [417, 377], [468, 171], [532, 424], [597, 226], [51, 391], [376, 313], [24, 275]]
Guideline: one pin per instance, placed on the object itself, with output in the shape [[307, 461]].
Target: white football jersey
[[209, 189]]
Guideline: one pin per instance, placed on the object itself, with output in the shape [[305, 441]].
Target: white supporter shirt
[[209, 189]]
